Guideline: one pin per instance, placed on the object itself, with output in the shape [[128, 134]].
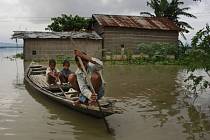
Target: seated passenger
[[65, 72], [52, 74], [79, 81]]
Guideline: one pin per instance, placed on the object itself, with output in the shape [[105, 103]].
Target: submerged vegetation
[[151, 53], [19, 55]]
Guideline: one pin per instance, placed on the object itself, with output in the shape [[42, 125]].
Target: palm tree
[[172, 10]]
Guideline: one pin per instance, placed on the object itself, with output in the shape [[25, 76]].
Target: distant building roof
[[55, 35], [152, 23]]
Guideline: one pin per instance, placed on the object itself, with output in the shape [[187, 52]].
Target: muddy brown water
[[152, 97]]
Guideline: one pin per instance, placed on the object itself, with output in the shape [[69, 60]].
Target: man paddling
[[79, 81]]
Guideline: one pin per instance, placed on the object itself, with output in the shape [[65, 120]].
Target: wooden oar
[[93, 90], [60, 89]]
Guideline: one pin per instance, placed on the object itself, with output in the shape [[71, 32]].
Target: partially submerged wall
[[116, 38], [45, 49]]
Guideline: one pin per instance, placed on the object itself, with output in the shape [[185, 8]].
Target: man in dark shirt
[[65, 72]]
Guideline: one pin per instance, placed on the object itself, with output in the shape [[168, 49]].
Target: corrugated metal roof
[[55, 35], [153, 23]]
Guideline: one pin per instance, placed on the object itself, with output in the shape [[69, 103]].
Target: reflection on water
[[152, 97]]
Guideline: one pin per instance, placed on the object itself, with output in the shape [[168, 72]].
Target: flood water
[[152, 97]]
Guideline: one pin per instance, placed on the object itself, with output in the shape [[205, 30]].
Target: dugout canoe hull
[[33, 80]]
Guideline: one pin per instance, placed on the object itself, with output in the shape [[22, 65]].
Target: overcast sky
[[35, 14]]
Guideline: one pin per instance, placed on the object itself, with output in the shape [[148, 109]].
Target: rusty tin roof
[[56, 35], [151, 23]]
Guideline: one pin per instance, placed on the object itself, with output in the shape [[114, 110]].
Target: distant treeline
[[4, 47], [11, 45]]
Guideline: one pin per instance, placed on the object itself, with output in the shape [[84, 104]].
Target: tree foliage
[[69, 23], [199, 58], [157, 49], [171, 9], [199, 55]]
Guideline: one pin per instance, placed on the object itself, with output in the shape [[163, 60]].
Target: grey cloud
[[52, 8]]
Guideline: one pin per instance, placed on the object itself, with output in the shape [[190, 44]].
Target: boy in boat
[[52, 74], [79, 80], [64, 74]]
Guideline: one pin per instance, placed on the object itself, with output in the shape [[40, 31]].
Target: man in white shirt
[[79, 80]]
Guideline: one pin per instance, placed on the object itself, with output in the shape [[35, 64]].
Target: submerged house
[[48, 45], [112, 35], [126, 32]]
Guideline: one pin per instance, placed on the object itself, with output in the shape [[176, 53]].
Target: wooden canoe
[[35, 78]]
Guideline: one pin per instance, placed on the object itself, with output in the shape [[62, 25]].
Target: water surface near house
[[152, 97]]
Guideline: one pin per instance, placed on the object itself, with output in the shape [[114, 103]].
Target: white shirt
[[82, 79], [48, 70]]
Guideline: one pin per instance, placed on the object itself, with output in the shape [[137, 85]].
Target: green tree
[[69, 23], [171, 9], [199, 58], [157, 48]]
